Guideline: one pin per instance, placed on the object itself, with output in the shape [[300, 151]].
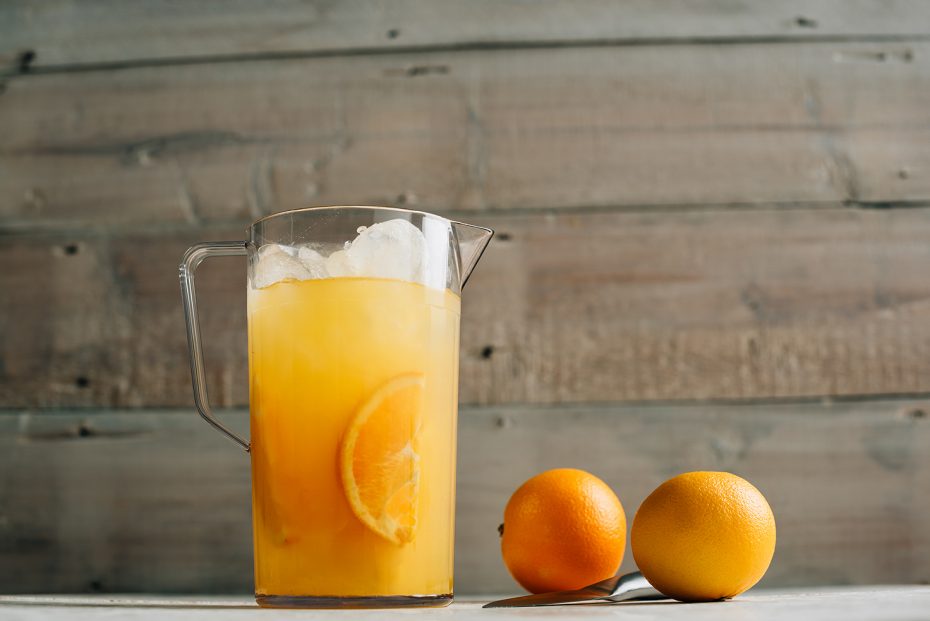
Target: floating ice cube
[[276, 263], [337, 264], [392, 249], [313, 261]]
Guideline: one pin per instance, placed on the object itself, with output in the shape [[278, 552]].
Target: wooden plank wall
[[713, 245]]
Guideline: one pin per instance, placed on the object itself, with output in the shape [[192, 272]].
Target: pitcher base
[[383, 601]]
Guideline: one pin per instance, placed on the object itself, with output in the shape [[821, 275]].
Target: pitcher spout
[[472, 241]]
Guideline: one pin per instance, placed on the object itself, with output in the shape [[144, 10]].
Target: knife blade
[[624, 588]]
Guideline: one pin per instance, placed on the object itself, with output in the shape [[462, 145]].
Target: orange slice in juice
[[379, 461]]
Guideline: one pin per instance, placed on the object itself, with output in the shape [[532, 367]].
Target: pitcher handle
[[189, 263]]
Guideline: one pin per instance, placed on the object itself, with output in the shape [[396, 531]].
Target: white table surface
[[845, 603]]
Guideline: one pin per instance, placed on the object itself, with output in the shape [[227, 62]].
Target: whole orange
[[563, 529], [703, 536]]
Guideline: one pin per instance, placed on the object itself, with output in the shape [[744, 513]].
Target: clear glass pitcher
[[353, 326]]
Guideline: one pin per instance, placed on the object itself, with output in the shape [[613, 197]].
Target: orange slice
[[379, 462]]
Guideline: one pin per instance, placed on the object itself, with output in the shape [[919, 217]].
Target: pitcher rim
[[378, 207]]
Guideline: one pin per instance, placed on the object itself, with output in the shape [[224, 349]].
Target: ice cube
[[391, 249], [276, 263], [337, 264], [313, 261]]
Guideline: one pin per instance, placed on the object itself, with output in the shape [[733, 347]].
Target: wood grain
[[478, 130], [61, 33], [574, 307], [704, 305], [676, 188], [97, 319], [156, 501]]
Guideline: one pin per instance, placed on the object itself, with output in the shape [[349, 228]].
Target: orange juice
[[353, 419]]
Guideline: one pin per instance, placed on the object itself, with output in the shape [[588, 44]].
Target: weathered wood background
[[713, 253]]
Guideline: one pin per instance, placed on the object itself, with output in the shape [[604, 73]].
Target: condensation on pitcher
[[393, 249]]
